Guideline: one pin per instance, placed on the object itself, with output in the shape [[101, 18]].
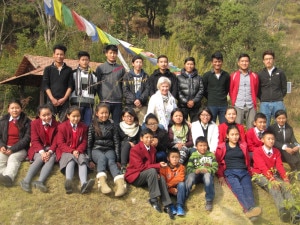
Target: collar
[[266, 150], [44, 123], [204, 125], [11, 118], [245, 74], [147, 147], [257, 130], [73, 125], [271, 70], [281, 126]]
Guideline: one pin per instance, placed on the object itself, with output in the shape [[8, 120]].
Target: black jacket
[[129, 89], [163, 139], [24, 132], [272, 88], [154, 78], [109, 139], [189, 88]]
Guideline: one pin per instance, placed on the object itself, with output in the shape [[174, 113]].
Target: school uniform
[[43, 139], [253, 138], [142, 170], [14, 135], [223, 131], [284, 137]]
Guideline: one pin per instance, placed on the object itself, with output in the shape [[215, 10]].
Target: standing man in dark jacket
[[110, 78], [190, 90], [216, 87], [162, 71], [272, 87], [136, 88], [58, 82]]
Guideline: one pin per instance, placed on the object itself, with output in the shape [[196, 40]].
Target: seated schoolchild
[[174, 175], [234, 169], [201, 167], [269, 173], [14, 142], [142, 170], [254, 134], [285, 141], [42, 149]]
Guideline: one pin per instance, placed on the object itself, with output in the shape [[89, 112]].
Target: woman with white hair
[[162, 102]]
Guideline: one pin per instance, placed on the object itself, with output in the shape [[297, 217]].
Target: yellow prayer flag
[[136, 50], [57, 10], [102, 36]]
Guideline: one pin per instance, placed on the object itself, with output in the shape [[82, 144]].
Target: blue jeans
[[116, 111], [207, 179], [239, 182], [86, 115], [270, 108], [181, 193], [104, 159], [218, 111]]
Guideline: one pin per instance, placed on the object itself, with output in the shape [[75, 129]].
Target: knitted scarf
[[130, 130], [180, 134]]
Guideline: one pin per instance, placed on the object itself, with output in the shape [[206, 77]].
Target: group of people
[[158, 135]]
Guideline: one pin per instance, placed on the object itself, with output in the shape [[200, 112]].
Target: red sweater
[[220, 157], [223, 130], [264, 164], [253, 140], [38, 137], [140, 159], [12, 134], [65, 138], [235, 83]]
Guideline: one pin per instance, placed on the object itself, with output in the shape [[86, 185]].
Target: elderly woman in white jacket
[[162, 102], [207, 128]]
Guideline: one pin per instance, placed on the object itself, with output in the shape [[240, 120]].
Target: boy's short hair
[[83, 53], [268, 52], [162, 56], [280, 112], [173, 150], [136, 57], [60, 47], [243, 55], [113, 48], [267, 132], [146, 131], [217, 55], [201, 139], [260, 115]]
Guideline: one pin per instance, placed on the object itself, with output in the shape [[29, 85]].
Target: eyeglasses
[[129, 117], [205, 115], [152, 124]]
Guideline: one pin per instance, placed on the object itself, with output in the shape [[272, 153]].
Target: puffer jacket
[[108, 140], [189, 88]]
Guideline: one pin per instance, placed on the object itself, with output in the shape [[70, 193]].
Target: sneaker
[[39, 185], [6, 180], [180, 210], [252, 212], [284, 215], [69, 186], [87, 187], [168, 210], [25, 186], [173, 209], [208, 206], [155, 205]]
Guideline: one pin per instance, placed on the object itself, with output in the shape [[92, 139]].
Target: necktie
[[15, 120], [282, 131], [74, 127], [260, 134], [46, 126], [269, 153]]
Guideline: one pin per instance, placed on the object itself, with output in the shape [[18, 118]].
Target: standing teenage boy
[[84, 92], [216, 88], [243, 91], [58, 82], [272, 87], [162, 71], [110, 78]]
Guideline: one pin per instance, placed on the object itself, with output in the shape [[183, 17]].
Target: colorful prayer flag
[[57, 10], [102, 36], [68, 19], [89, 29], [78, 21], [48, 6]]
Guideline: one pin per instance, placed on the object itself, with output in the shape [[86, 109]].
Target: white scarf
[[129, 130]]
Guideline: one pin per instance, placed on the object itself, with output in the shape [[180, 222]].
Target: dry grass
[[56, 207]]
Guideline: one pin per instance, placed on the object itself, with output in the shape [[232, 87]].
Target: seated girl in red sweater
[[42, 149]]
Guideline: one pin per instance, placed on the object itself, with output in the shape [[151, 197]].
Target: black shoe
[[87, 187], [39, 185], [68, 186], [6, 180], [284, 215], [208, 206], [25, 186], [155, 205], [168, 209]]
